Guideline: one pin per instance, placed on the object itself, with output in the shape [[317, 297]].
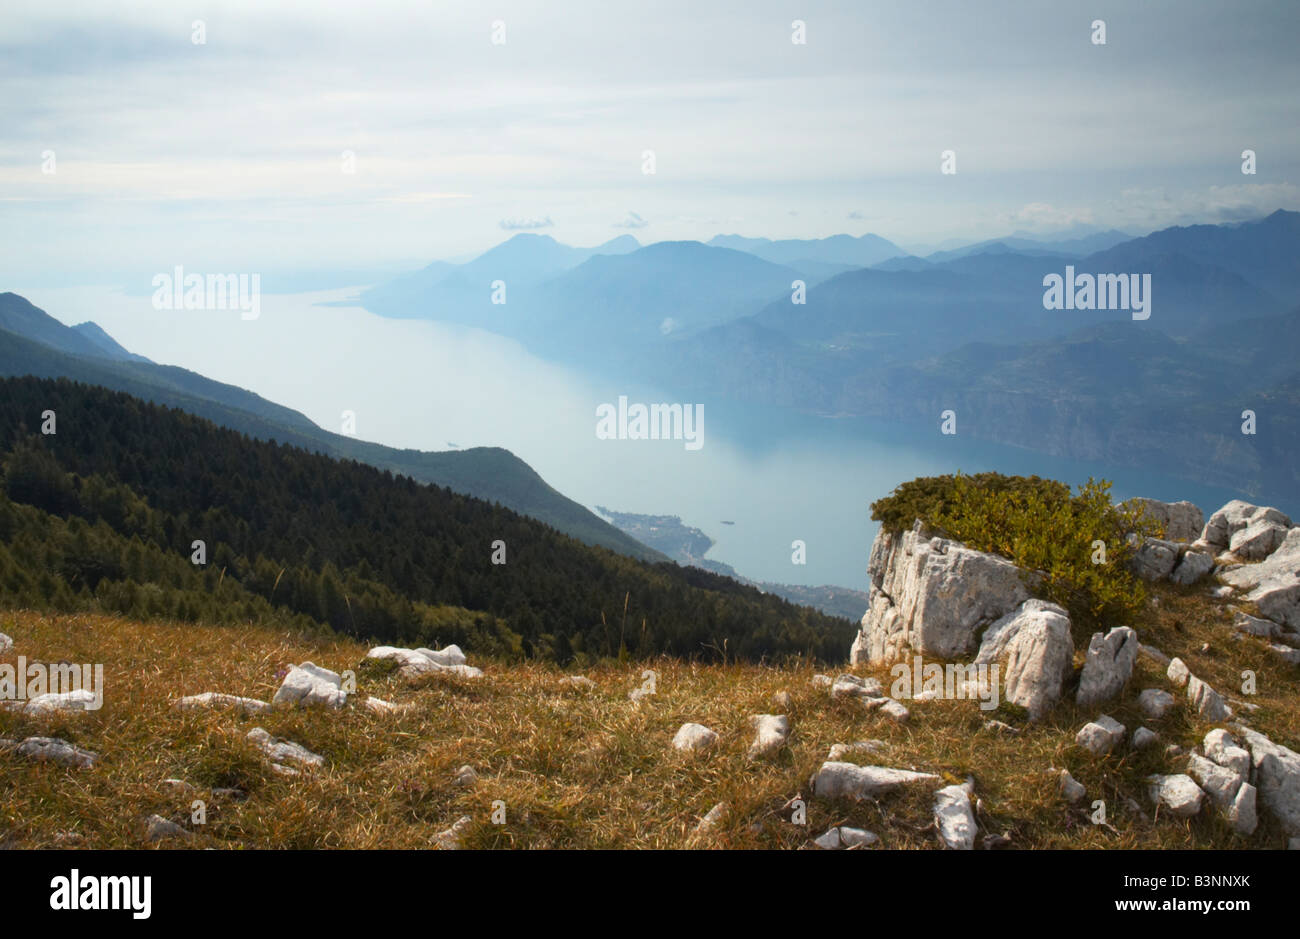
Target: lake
[[779, 476]]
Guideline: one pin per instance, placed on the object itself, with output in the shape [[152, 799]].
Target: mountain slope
[[488, 473]]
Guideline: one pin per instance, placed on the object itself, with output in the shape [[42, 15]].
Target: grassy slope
[[584, 770]]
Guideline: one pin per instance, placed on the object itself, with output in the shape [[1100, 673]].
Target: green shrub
[[1042, 527]]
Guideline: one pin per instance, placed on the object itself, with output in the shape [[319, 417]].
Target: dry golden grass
[[574, 769]]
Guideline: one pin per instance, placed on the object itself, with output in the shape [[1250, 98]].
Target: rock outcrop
[[309, 685], [1034, 645], [1107, 668], [931, 596]]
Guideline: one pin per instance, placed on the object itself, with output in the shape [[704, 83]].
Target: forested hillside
[[104, 513]]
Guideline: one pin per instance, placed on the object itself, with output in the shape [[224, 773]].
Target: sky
[[129, 148]]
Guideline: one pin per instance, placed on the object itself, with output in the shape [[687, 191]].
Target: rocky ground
[[1179, 733]]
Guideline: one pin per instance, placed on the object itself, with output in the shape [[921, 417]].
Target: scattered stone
[[712, 819], [1219, 782], [214, 699], [1100, 736], [782, 701], [1154, 654], [954, 817], [819, 681], [1108, 666], [380, 706], [841, 837], [870, 747], [1178, 794], [932, 596], [465, 777], [1001, 727], [1178, 672], [1287, 654], [1222, 592], [892, 709], [447, 658], [66, 702], [178, 786], [770, 734], [849, 781], [851, 686], [1155, 703], [1194, 566], [1257, 540], [450, 840], [282, 752], [1035, 642], [1277, 777], [160, 829], [1236, 516], [1274, 583], [694, 737], [1173, 751], [1241, 814], [1143, 738], [1206, 701], [56, 750], [309, 684], [1226, 750], [1072, 790], [1255, 626], [413, 663], [5, 643]]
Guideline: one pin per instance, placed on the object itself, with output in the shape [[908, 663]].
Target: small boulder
[[282, 752], [842, 837], [1219, 782], [770, 734], [158, 828], [1226, 750], [1072, 790], [1101, 736], [849, 781], [690, 737], [1178, 672], [56, 750], [1108, 666], [5, 643], [1143, 738], [214, 699], [712, 819], [465, 777], [1177, 794], [309, 684], [1206, 701], [1155, 703], [1194, 566], [954, 817], [66, 702], [452, 838]]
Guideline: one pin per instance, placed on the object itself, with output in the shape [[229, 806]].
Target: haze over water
[[426, 385]]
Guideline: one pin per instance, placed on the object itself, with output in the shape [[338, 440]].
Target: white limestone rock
[[1144, 737], [851, 686], [1206, 702], [1255, 626], [1274, 583], [1234, 517], [452, 838], [865, 747], [1154, 558], [1226, 750], [1101, 736], [1108, 666], [1155, 703], [770, 734], [849, 781], [931, 596], [6, 643], [465, 777], [1178, 672], [1181, 521], [712, 819], [66, 702], [1277, 777], [954, 817], [1034, 644], [309, 685], [283, 752], [842, 837], [158, 828], [1219, 782], [690, 737], [1257, 540], [1242, 814], [1194, 566], [1072, 790], [217, 700], [1177, 794], [57, 750]]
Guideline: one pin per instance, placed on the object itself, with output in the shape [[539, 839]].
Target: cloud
[[525, 224], [1040, 216], [632, 221], [857, 216]]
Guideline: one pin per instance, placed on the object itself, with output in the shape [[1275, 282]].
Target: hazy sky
[[228, 155]]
